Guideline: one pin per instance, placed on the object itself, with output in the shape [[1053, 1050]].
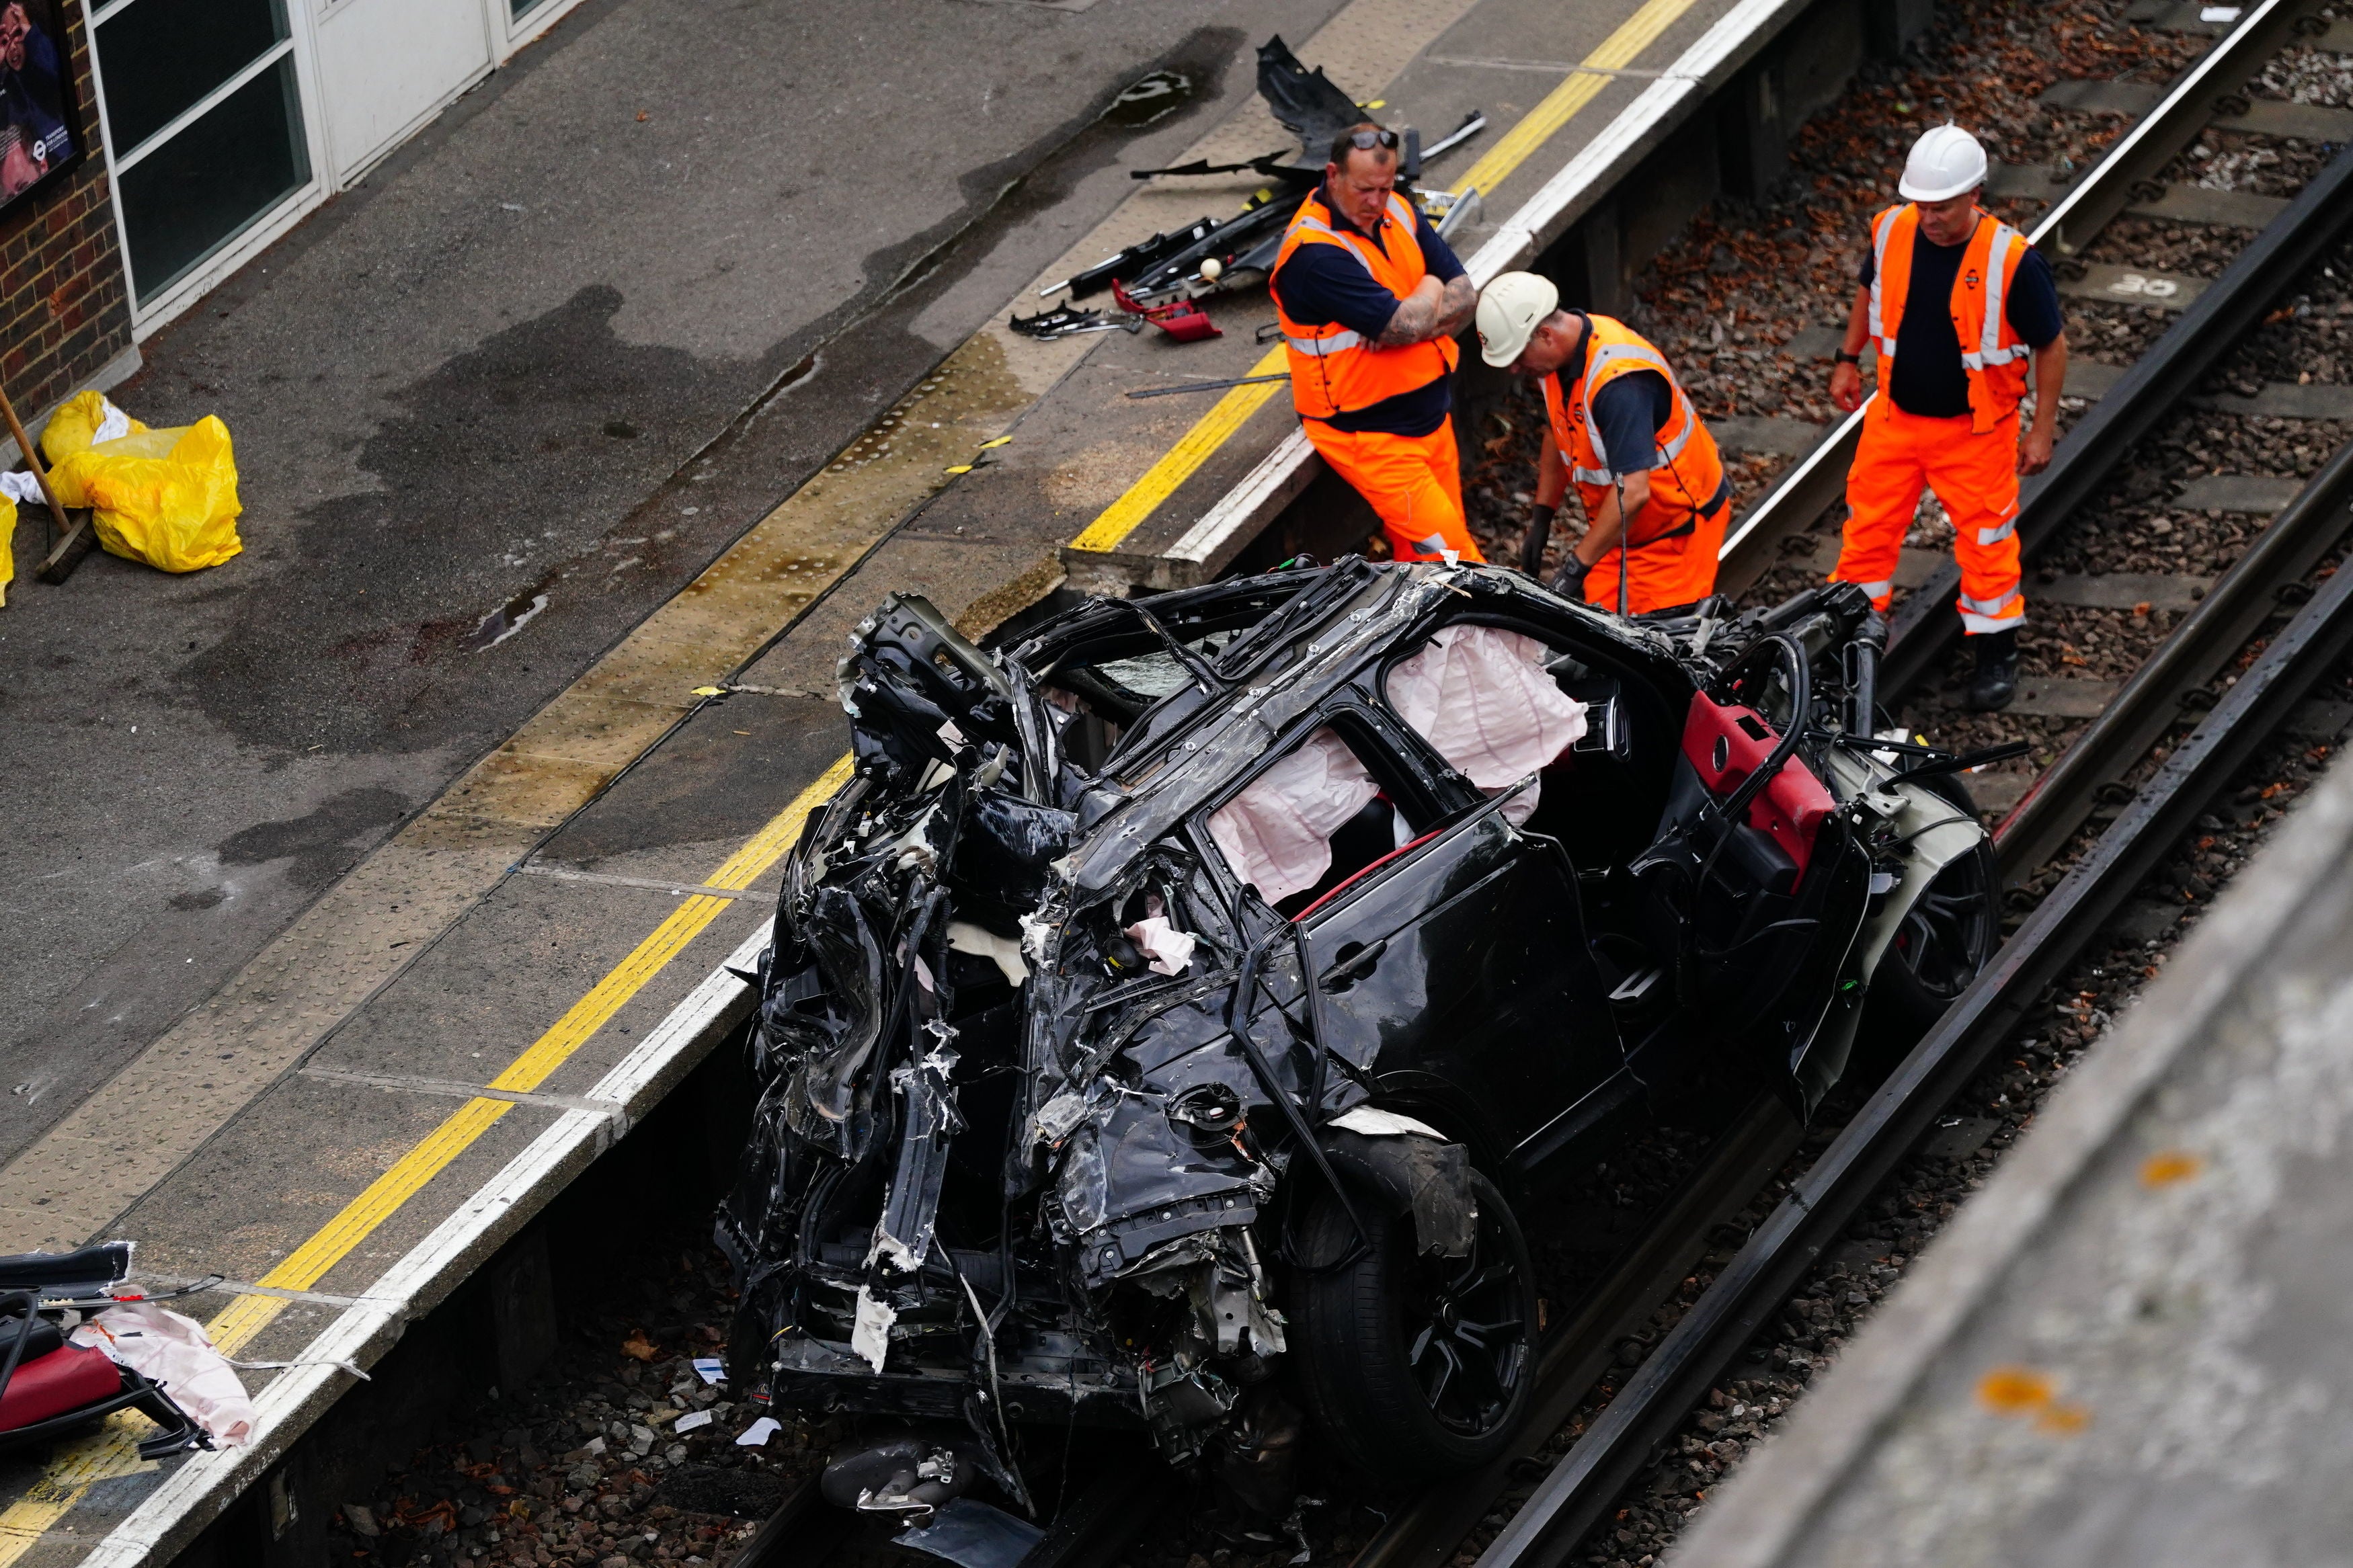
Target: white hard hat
[[1945, 163], [1509, 308]]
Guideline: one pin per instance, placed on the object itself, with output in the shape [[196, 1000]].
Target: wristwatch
[[1845, 358]]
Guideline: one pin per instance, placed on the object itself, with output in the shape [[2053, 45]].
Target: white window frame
[[508, 34]]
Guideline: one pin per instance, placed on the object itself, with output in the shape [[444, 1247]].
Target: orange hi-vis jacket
[[1993, 355], [1686, 471], [1335, 370]]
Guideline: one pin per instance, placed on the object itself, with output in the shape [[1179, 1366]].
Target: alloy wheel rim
[[1468, 1327]]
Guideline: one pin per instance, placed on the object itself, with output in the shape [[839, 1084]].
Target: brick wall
[[65, 308]]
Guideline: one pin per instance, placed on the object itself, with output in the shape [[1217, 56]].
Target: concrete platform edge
[[205, 1484], [1766, 1509]]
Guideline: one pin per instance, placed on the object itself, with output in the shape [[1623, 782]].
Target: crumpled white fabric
[[1169, 948], [19, 485], [1277, 834], [165, 1347], [1479, 695], [1483, 699], [113, 424]]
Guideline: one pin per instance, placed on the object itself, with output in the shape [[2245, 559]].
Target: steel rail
[[2213, 326], [1587, 1482], [2151, 702], [2207, 87], [1818, 481]]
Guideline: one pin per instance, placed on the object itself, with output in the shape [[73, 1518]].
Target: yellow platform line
[[1198, 446], [1535, 128], [1181, 461], [113, 1449], [332, 1242]]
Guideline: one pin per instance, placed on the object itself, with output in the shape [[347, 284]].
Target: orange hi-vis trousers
[[1664, 573], [1976, 478], [1414, 483]]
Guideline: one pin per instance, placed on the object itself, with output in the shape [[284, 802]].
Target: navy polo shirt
[[1319, 285], [1628, 414], [1928, 378]]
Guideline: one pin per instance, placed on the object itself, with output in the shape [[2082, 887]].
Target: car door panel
[[1465, 960]]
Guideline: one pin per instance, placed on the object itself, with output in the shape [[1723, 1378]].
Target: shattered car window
[[1155, 675], [1483, 699]]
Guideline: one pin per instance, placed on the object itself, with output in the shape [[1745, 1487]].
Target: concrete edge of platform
[[206, 1483], [1588, 177], [1791, 1480]]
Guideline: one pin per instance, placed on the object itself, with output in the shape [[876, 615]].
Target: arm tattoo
[[1419, 321], [1455, 310], [1410, 323]]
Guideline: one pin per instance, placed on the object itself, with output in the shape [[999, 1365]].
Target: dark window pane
[[197, 192], [517, 7], [161, 56]]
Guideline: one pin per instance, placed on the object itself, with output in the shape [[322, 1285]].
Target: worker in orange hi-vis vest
[[1619, 428], [1369, 299], [1950, 384]]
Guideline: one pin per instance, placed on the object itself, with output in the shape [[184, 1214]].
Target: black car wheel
[[1412, 1365], [1948, 935]]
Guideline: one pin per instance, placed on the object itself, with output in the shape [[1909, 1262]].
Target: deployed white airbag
[[1277, 834], [1481, 697]]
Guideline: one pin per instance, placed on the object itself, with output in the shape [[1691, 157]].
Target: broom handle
[[33, 460]]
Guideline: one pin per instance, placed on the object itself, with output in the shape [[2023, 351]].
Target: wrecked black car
[[1164, 1026]]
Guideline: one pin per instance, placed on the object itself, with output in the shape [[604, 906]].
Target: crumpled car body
[[1376, 886]]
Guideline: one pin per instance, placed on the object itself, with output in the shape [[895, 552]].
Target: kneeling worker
[[1370, 298], [1955, 300], [1619, 427]]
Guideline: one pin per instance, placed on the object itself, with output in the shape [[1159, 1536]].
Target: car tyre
[[1948, 936], [1413, 1365]]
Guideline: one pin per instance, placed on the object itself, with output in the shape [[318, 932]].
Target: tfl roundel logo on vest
[[1970, 278]]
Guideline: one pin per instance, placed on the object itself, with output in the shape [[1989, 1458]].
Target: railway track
[[2103, 775]]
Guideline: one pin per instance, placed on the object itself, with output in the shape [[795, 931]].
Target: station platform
[[2129, 1347], [458, 1027]]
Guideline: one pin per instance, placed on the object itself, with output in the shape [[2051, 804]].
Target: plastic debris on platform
[[172, 1348], [1070, 321], [1212, 255], [166, 497]]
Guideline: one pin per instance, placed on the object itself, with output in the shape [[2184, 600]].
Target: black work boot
[[1996, 681]]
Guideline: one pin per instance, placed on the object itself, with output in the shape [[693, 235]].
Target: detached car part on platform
[[1167, 270], [54, 1386], [1162, 1024]]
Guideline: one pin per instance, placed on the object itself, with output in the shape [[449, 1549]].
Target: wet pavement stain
[[321, 843], [498, 473]]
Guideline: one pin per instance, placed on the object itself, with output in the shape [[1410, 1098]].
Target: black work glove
[[1532, 547], [1570, 581]]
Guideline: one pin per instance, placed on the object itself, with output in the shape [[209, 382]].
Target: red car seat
[[1725, 745]]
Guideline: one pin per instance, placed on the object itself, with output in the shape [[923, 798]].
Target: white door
[[386, 65]]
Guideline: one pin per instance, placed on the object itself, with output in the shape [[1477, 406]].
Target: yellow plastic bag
[[76, 425], [165, 497], [7, 546]]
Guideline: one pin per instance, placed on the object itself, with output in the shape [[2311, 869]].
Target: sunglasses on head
[[1365, 141]]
